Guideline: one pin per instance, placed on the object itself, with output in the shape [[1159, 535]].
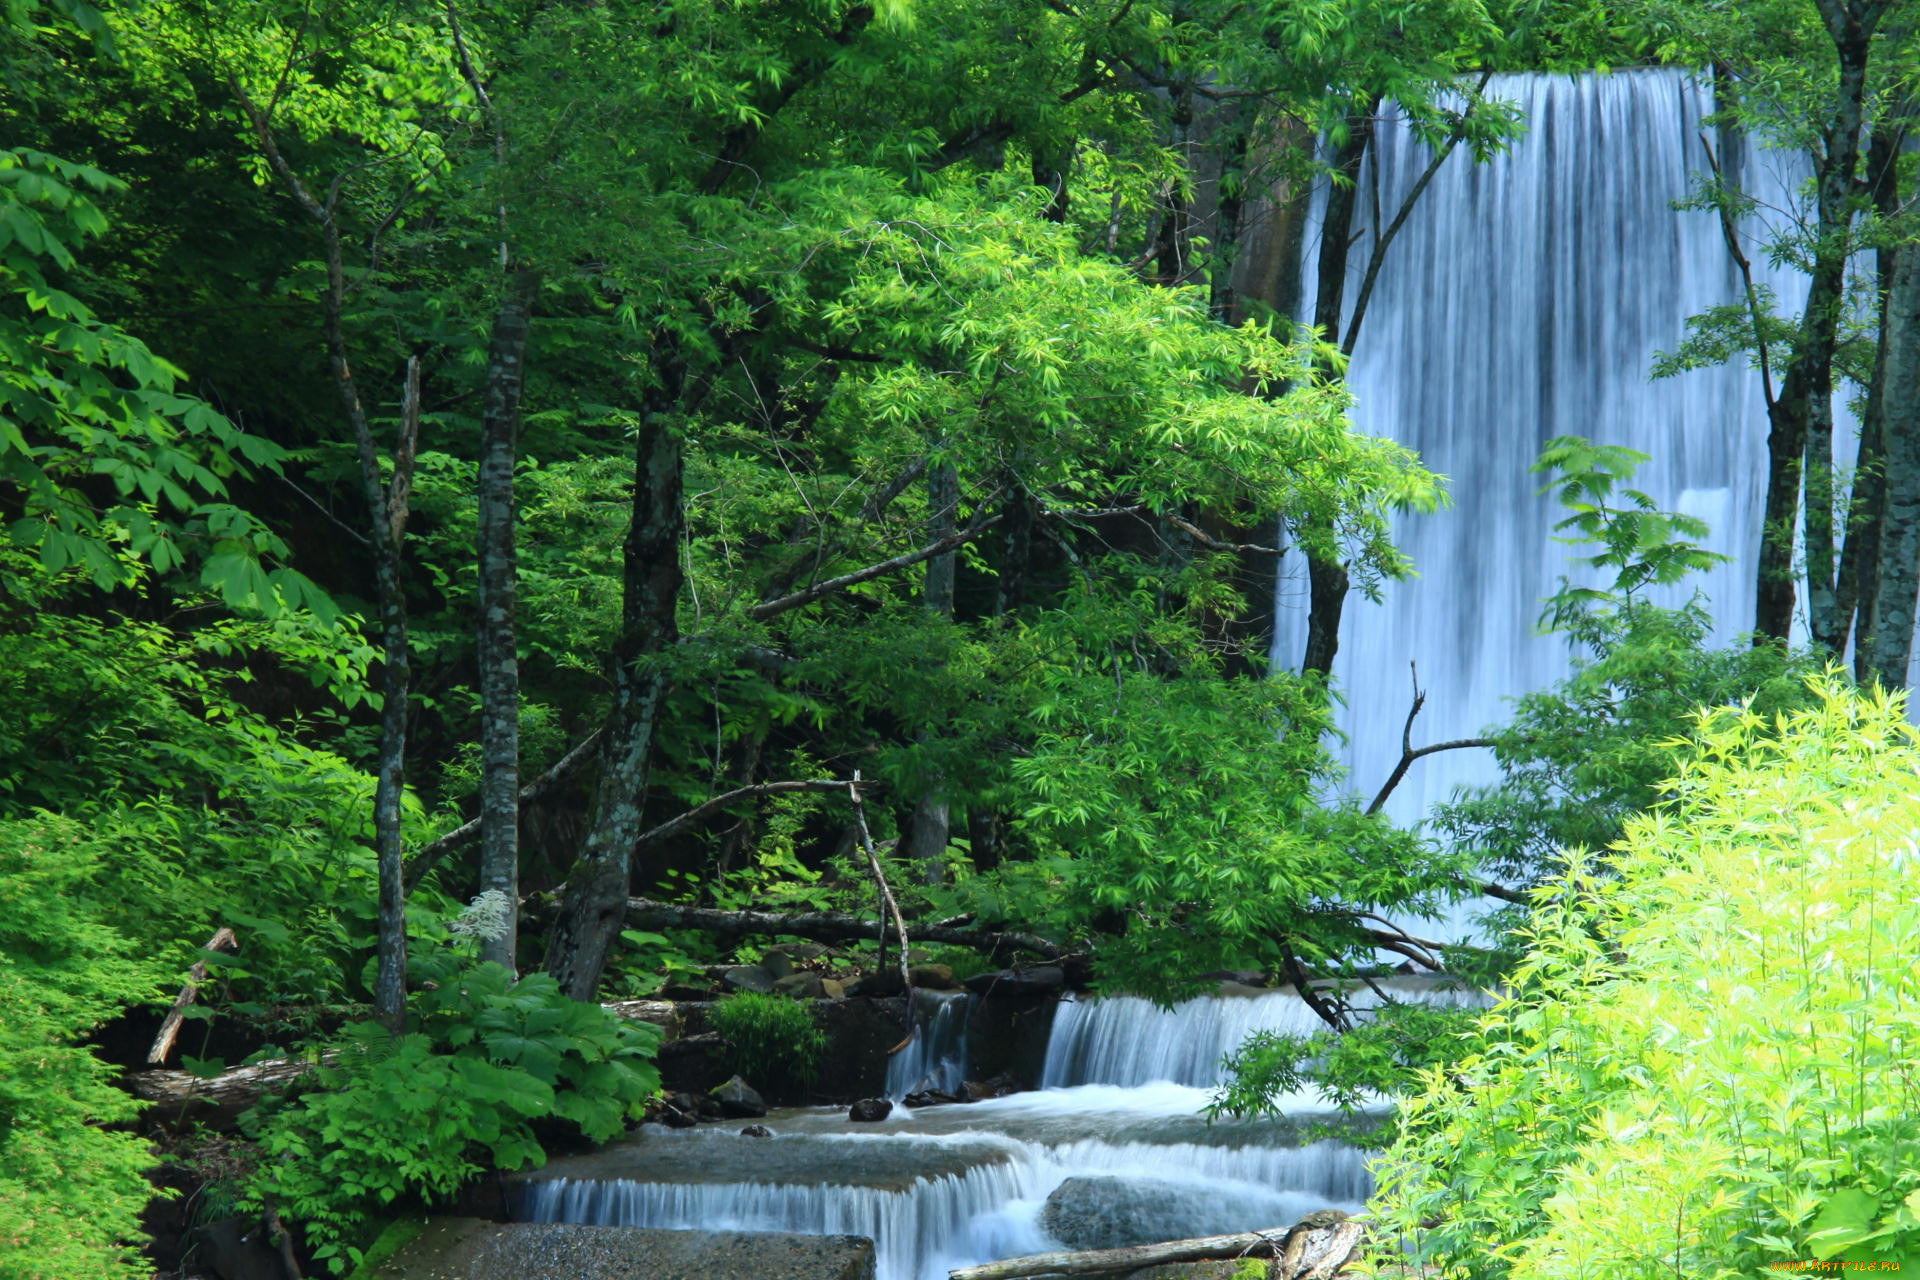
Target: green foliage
[[770, 1038], [1704, 1065], [71, 1190], [1381, 1057], [1642, 544], [412, 1118]]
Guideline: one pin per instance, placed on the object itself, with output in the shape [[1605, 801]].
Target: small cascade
[[937, 1058], [1128, 1041], [924, 1227]]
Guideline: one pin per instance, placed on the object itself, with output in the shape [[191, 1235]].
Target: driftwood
[[887, 902], [222, 940], [827, 926], [1314, 1249]]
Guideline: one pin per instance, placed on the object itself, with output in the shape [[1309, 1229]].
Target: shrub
[[772, 1039], [70, 1191], [417, 1115], [1706, 1064]]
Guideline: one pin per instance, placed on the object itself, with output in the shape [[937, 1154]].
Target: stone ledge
[[469, 1249]]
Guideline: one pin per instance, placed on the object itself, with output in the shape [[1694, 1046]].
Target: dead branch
[[673, 826], [886, 893], [1310, 1250], [827, 926], [428, 854], [795, 600], [222, 940]]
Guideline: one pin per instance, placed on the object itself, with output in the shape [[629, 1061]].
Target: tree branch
[[674, 826], [828, 926], [428, 854], [795, 600]]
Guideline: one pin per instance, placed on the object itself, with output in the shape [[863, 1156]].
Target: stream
[[949, 1186]]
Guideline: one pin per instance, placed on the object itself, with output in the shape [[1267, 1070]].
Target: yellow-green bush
[[1710, 1059]]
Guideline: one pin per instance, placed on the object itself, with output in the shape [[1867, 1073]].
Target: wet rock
[[929, 1098], [868, 1110], [737, 1098], [933, 977], [237, 1249], [748, 977], [1115, 1212], [672, 1115], [1042, 980], [1000, 1086], [756, 1131], [466, 1249], [801, 986], [884, 983]]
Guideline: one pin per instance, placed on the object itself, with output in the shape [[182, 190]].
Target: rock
[[929, 1098], [1239, 977], [868, 1110], [833, 989], [756, 1131], [801, 985], [737, 1098], [681, 991], [237, 1249], [933, 977], [671, 1114], [468, 1249], [776, 962], [1042, 980], [748, 977], [1000, 1086], [884, 983], [1116, 1212]]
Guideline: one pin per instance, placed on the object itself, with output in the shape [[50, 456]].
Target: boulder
[[1041, 980], [468, 1249], [884, 983], [933, 977], [1000, 1086], [776, 962], [748, 977], [738, 1099], [801, 985], [930, 1098], [756, 1131], [833, 989], [868, 1110], [1117, 1212]]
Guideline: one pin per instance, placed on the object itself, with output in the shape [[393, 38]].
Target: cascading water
[[1524, 299], [937, 1058]]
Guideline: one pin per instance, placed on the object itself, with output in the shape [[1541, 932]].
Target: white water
[[1525, 299], [950, 1186], [937, 1058]]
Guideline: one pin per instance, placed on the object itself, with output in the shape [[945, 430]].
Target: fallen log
[[827, 926], [1314, 1249], [227, 1094]]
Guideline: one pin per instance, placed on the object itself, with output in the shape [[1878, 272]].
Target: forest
[[525, 515]]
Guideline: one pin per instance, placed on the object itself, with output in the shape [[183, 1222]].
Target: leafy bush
[[70, 1191], [417, 1115], [772, 1039], [1706, 1062]]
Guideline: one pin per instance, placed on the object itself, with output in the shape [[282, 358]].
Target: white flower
[[485, 919]]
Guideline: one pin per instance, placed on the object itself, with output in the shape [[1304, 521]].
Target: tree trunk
[[651, 576], [827, 926], [1800, 431], [498, 663], [1326, 576], [1897, 590]]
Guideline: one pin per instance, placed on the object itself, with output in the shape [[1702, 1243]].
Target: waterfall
[[1525, 299], [937, 1058], [1127, 1041], [989, 1210]]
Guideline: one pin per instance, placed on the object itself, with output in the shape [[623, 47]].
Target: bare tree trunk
[[1800, 430], [1897, 590], [386, 507], [1326, 576], [498, 663], [596, 898]]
